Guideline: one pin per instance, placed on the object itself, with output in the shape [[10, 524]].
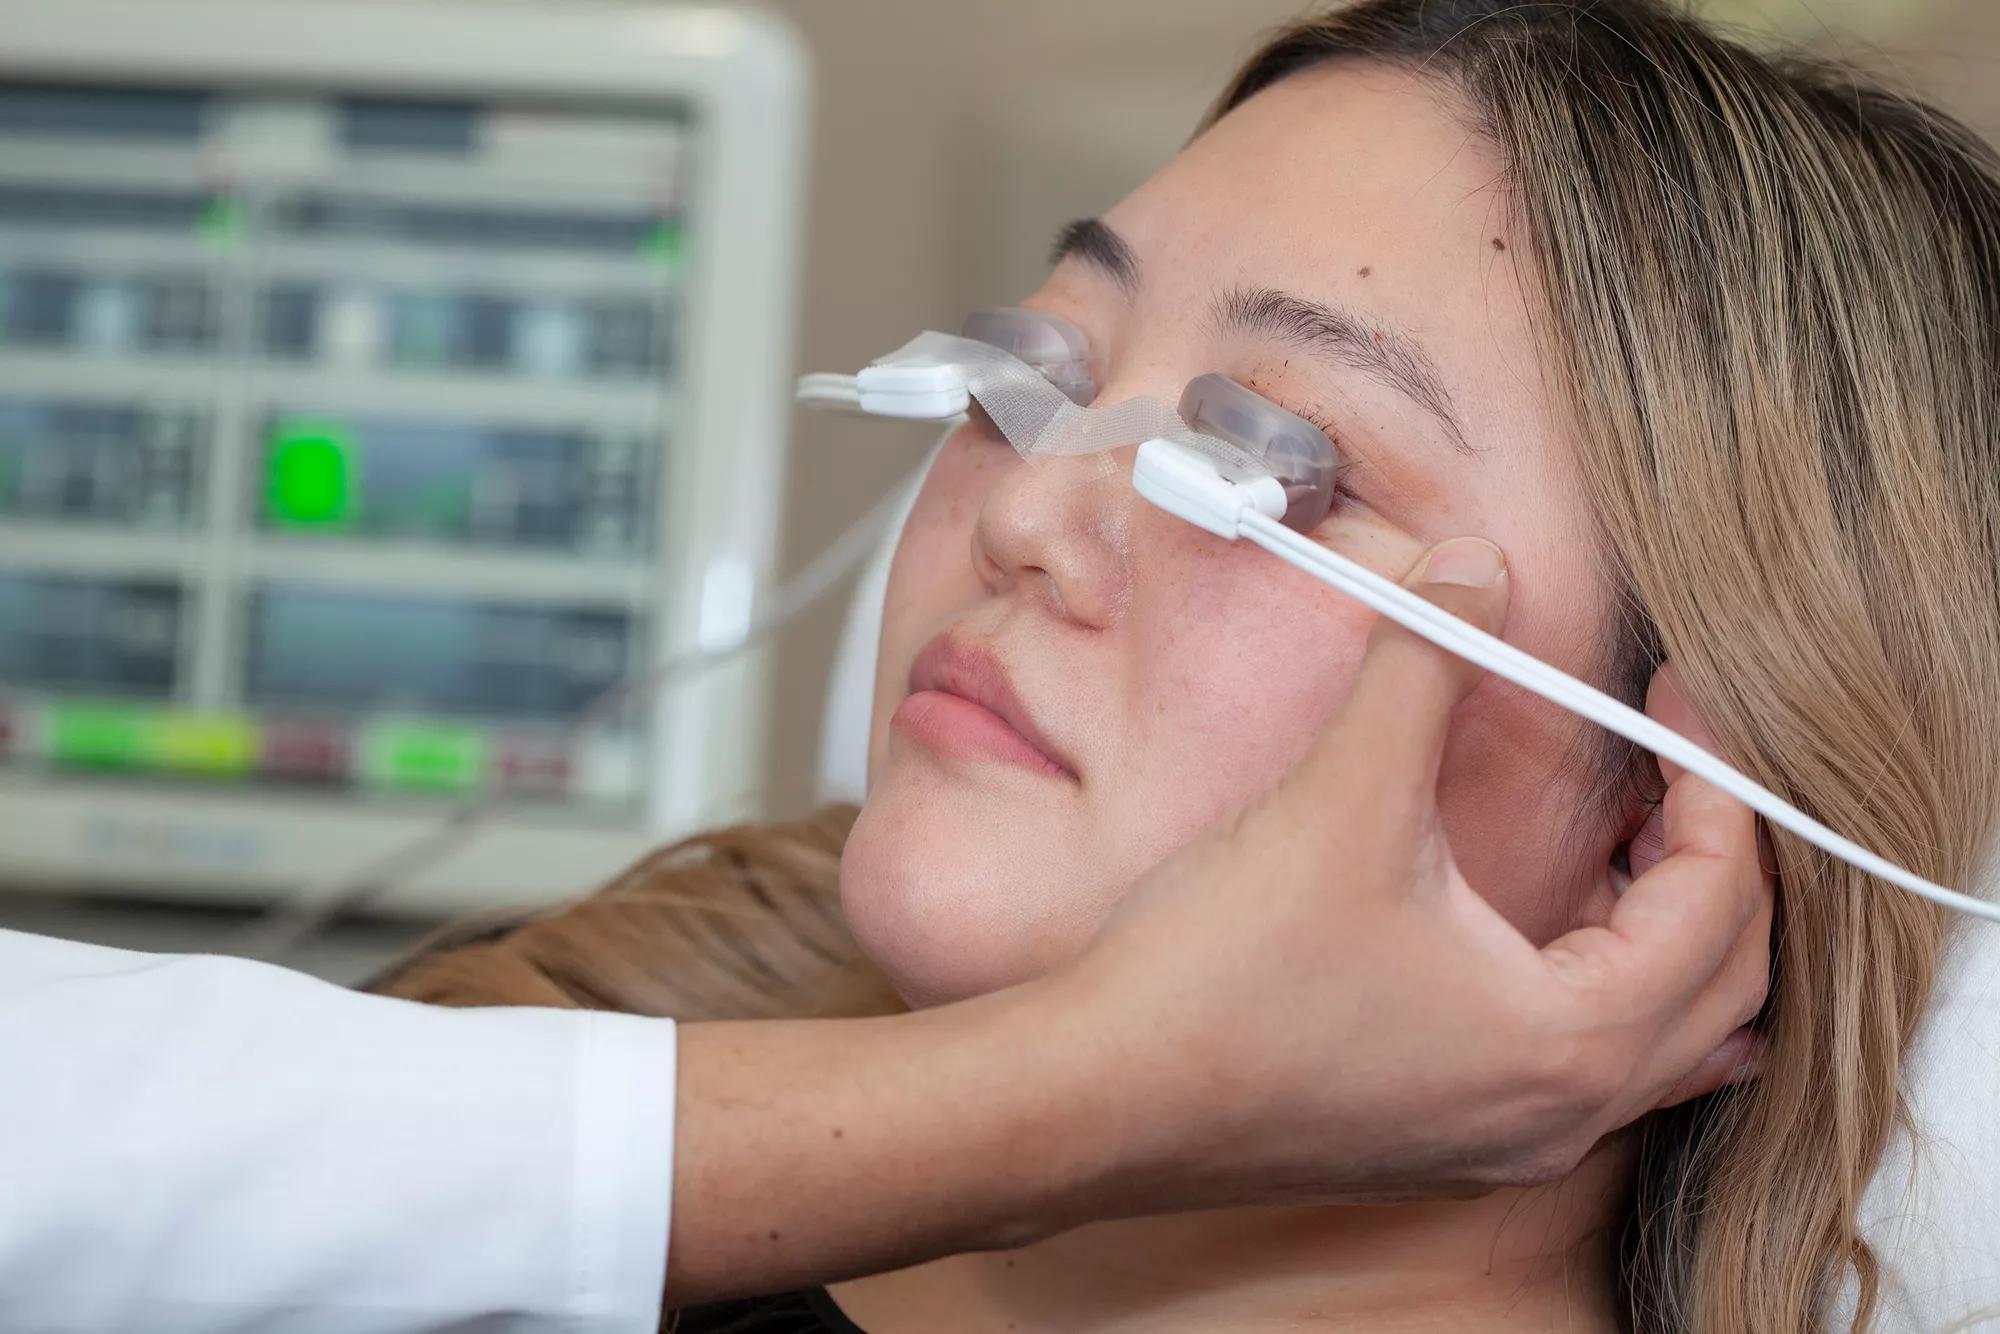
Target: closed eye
[[1342, 493]]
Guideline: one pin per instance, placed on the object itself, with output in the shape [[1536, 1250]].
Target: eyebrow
[[1392, 359], [1387, 356], [1091, 241]]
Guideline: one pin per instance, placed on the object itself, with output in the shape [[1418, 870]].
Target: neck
[[1527, 1259]]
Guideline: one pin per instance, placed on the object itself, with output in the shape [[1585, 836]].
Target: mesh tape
[[1039, 420]]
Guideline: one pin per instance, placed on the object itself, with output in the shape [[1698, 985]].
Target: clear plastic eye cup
[[1003, 353], [1048, 343], [1283, 445]]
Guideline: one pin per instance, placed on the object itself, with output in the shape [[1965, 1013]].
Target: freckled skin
[[1181, 674]]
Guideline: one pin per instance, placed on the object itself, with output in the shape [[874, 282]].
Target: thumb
[[1402, 699], [1377, 760]]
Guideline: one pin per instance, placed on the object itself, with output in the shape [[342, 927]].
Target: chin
[[945, 905]]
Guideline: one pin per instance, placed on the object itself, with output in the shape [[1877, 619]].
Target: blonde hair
[[1769, 298], [743, 923], [1769, 295]]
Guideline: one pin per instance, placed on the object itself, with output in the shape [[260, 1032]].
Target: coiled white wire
[[1503, 659]]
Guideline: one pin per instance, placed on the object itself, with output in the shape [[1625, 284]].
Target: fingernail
[[1470, 562]]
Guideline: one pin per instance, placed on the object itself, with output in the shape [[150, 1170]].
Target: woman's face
[[1073, 684]]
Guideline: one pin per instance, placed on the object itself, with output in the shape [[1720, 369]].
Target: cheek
[[1514, 802], [1247, 662], [1254, 659]]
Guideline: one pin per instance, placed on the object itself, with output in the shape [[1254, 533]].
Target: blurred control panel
[[336, 438]]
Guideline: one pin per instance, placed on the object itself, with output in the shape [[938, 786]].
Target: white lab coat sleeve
[[191, 1145]]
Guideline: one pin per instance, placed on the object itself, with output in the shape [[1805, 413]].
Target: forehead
[[1314, 171], [1361, 184]]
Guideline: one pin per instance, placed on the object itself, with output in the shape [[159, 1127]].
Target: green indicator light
[[99, 736], [423, 757], [311, 475], [132, 738], [665, 244], [221, 222], [214, 745]]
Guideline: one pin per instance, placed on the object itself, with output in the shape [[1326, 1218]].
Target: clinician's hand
[[1310, 1003], [1357, 1023]]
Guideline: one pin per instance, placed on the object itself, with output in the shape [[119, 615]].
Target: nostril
[[1053, 590], [1056, 532]]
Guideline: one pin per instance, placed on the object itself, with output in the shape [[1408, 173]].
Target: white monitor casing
[[719, 489]]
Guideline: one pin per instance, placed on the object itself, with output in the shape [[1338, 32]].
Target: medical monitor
[[380, 383]]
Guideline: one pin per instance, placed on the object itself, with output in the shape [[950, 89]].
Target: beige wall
[[953, 136]]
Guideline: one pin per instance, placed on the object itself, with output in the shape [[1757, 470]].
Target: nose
[[1059, 529]]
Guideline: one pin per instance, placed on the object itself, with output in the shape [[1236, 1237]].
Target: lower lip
[[957, 726]]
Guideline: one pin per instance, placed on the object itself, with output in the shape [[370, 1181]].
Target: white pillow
[[1933, 1218]]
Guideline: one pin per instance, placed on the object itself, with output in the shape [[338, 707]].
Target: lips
[[961, 697]]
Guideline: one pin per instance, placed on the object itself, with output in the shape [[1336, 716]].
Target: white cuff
[[625, 1082]]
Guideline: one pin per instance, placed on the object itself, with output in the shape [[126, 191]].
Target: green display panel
[[138, 739], [423, 757]]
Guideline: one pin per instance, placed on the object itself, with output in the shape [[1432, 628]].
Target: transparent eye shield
[[1236, 464], [1029, 373]]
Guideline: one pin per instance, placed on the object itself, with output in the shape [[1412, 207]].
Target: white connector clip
[[1183, 483], [921, 393], [918, 393]]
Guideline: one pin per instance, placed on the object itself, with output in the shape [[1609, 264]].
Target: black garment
[[807, 1311]]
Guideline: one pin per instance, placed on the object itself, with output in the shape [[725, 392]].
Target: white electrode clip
[[1183, 483], [915, 393], [918, 393]]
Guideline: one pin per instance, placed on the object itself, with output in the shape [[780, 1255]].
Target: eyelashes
[[1343, 495], [1311, 412]]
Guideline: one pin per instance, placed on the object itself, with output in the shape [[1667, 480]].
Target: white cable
[[823, 389], [1530, 673]]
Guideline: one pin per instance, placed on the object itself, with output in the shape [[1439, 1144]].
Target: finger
[[1735, 1060], [1667, 703], [1732, 998], [1400, 706], [1740, 986], [1674, 928]]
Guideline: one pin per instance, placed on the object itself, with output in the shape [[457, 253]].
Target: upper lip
[[973, 672]]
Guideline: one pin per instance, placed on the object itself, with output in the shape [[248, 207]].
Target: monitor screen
[[334, 434]]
